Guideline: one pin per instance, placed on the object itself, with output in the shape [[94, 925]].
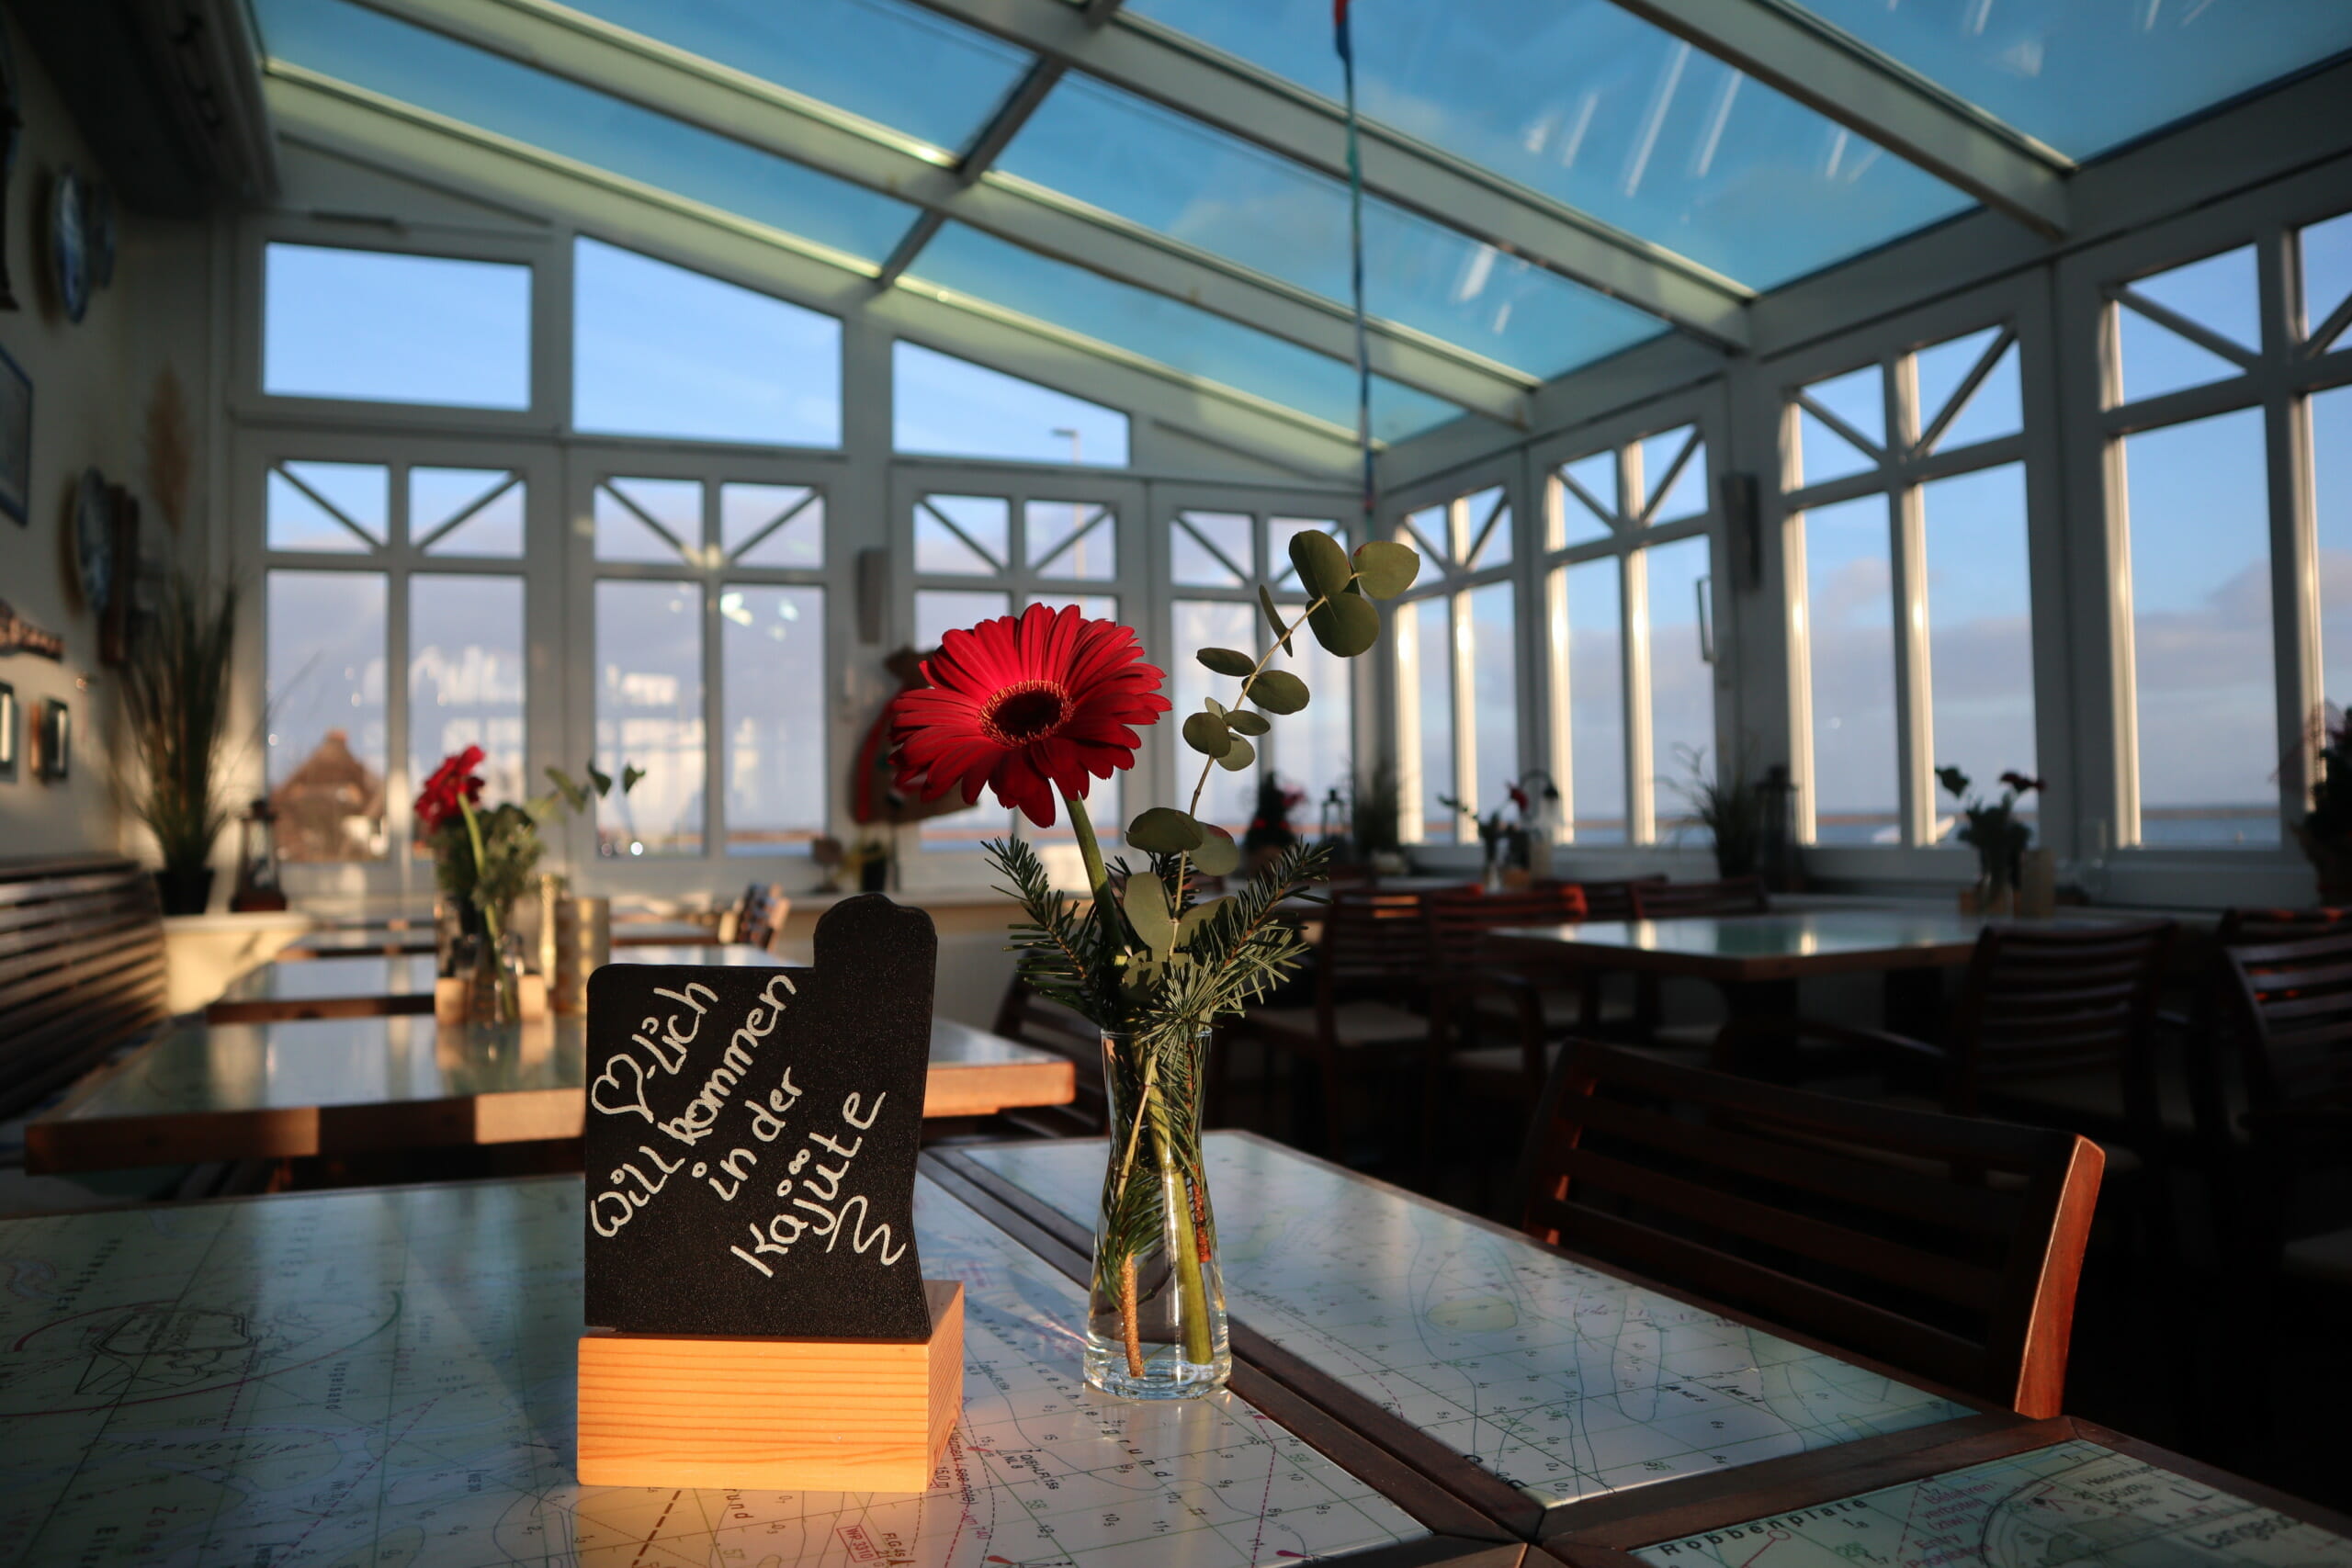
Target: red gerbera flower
[[454, 780], [1028, 707]]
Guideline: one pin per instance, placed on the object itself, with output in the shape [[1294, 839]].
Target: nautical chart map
[[1561, 1381], [372, 1380], [2073, 1503]]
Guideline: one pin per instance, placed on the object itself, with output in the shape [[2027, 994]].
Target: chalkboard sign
[[751, 1138]]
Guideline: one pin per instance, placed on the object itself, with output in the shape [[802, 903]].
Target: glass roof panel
[[1180, 177], [2085, 76], [941, 83], [1585, 103], [1180, 336], [431, 71]]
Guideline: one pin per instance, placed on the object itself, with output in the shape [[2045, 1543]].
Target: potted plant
[[1507, 843], [1039, 707], [2326, 833], [1733, 813], [175, 686], [1992, 829]]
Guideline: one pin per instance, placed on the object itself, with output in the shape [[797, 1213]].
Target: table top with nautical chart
[[387, 1377], [2073, 1502], [1555, 1378]]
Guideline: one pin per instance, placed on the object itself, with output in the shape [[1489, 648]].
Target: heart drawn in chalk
[[596, 1089]]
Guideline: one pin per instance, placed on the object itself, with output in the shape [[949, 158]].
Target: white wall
[[92, 385]]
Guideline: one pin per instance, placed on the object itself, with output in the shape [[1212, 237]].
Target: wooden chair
[[1477, 992], [761, 916], [2292, 1023], [1025, 1016], [1371, 968], [1766, 1198], [81, 969], [1664, 900]]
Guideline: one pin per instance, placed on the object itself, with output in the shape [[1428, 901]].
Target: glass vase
[[495, 983], [1155, 1324]]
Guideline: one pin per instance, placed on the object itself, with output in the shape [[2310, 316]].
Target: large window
[[1457, 668], [995, 552], [949, 407], [2227, 425], [374, 567], [688, 568], [383, 326], [1218, 557], [1912, 611], [1631, 606]]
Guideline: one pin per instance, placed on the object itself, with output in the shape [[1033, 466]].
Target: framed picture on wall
[[8, 733], [15, 439]]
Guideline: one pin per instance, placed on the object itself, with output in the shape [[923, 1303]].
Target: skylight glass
[[2085, 76], [1180, 336], [1583, 103], [1184, 180], [430, 72], [940, 84]]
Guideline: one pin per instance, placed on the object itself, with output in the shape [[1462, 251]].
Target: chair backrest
[[2293, 1007], [1456, 923], [1873, 1228], [81, 969], [2043, 1000], [2238, 927], [1672, 900], [1025, 1016], [1372, 939], [1608, 900], [762, 915]]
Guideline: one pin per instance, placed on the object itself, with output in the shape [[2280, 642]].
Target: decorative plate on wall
[[69, 252], [94, 541]]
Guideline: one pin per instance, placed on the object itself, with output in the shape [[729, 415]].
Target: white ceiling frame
[[352, 123], [730, 103], [1156, 63], [1853, 85]]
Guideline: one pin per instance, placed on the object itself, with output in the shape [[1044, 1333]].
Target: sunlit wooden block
[[452, 994], [773, 1415]]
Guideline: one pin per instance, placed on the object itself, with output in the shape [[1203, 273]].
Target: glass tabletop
[[1556, 1378], [335, 979], [223, 1067], [1793, 933], [389, 1374]]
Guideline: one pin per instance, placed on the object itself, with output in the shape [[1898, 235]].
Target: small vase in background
[[1155, 1320]]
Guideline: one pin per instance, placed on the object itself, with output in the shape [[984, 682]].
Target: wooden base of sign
[[452, 998], [773, 1415]]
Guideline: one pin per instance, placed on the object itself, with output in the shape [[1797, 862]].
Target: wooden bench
[[81, 968]]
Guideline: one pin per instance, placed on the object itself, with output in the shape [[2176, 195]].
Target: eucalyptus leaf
[[1385, 567], [1278, 691], [1240, 757], [1345, 624], [1323, 568], [1164, 830], [1195, 916], [1207, 733], [1217, 855], [1275, 618], [1213, 706], [1147, 906], [1241, 721], [1227, 660]]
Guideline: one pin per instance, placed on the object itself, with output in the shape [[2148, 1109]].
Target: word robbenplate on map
[[751, 1137], [2071, 1503]]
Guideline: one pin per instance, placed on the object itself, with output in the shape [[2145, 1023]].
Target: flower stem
[[1127, 1318], [1192, 1293], [1098, 880]]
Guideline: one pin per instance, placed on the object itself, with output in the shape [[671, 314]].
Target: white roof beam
[[1827, 70], [760, 114], [341, 120], [1157, 63]]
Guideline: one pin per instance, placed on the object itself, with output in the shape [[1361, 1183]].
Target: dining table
[[362, 984], [302, 1087], [403, 939], [388, 1375]]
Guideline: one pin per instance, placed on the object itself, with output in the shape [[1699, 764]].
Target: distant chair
[[1032, 1020], [761, 916], [1608, 900], [1370, 973], [2292, 1016], [1685, 900], [1870, 1227], [1476, 991], [2238, 927]]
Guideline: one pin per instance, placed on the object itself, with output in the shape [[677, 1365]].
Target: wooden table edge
[[983, 1089], [271, 1009]]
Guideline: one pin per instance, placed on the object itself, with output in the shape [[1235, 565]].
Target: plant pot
[[1155, 1324], [185, 892]]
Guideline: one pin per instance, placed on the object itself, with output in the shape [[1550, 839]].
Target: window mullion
[[1461, 650], [1633, 630], [399, 790], [1914, 741], [712, 581], [2294, 529], [1560, 689]]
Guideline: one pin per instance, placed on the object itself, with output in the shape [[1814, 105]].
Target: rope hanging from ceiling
[[1346, 46]]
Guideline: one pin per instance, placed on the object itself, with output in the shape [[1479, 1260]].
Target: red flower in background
[[453, 780], [2020, 783], [1028, 707]]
